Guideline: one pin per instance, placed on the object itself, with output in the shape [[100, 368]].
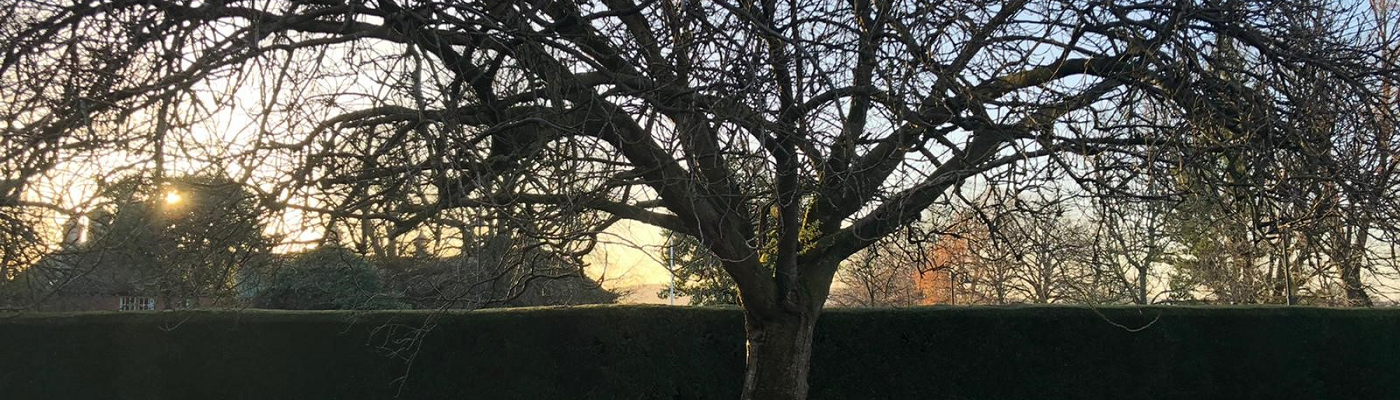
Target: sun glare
[[172, 197]]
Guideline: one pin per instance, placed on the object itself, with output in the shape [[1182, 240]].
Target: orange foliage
[[935, 278]]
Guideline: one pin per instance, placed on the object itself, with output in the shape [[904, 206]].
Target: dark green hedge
[[629, 352]]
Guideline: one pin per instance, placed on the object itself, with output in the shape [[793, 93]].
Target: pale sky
[[629, 255]]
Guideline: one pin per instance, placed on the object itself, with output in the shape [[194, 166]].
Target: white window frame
[[133, 303]]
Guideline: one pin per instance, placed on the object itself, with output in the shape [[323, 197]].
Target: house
[[85, 282], [496, 274]]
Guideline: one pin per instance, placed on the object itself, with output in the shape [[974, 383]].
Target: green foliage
[[698, 273], [327, 278], [631, 352], [1215, 255]]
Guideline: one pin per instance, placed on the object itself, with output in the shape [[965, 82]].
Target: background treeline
[[1051, 246], [205, 241]]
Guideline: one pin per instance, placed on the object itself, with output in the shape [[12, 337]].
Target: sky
[[629, 254]]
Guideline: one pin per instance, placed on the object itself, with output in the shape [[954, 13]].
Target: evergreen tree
[[697, 273], [328, 278], [183, 239]]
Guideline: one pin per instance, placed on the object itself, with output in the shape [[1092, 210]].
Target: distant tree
[[182, 238], [1218, 259], [327, 278], [17, 236], [1049, 251], [1130, 246], [882, 275], [20, 248], [1010, 247], [697, 272], [495, 269], [949, 269]]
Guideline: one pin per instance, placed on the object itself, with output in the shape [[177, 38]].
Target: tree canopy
[[187, 240], [843, 120], [327, 278]]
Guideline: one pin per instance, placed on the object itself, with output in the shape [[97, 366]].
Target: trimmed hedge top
[[652, 352]]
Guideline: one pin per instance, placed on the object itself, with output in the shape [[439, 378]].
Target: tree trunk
[[779, 354], [1142, 280], [1355, 290], [1351, 267]]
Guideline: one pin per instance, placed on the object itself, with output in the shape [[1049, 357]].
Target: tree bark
[[1351, 268], [1355, 291], [779, 351]]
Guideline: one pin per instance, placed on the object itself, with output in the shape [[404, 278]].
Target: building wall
[[950, 256], [73, 302], [933, 287], [62, 302]]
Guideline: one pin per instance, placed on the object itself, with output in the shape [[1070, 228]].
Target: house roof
[[87, 273]]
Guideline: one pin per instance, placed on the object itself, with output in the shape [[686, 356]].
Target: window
[[136, 303]]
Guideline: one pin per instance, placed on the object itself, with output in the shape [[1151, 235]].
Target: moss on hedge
[[640, 352]]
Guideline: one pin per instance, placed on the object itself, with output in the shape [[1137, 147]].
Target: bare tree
[[1020, 248], [570, 115], [881, 275]]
